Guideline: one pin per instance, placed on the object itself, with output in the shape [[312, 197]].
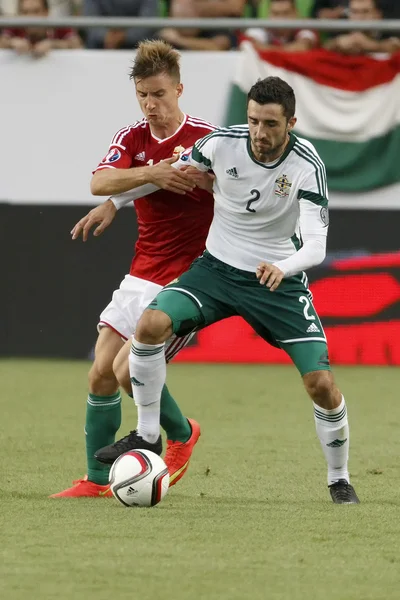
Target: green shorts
[[211, 291]]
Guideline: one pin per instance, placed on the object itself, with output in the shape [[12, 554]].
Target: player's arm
[[201, 179], [104, 214], [115, 175], [106, 182], [313, 222]]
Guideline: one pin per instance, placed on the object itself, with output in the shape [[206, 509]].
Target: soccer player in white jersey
[[270, 224]]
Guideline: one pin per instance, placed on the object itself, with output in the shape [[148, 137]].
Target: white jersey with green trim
[[262, 211]]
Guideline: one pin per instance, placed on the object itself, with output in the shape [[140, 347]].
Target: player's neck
[[167, 129]]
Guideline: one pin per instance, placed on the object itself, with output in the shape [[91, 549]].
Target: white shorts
[[126, 307]]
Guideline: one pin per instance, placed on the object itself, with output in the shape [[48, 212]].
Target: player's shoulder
[[226, 135], [198, 124], [126, 134], [306, 153]]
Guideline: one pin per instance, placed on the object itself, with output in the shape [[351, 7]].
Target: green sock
[[103, 419], [174, 423]]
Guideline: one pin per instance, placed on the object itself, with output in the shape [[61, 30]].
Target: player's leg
[[172, 420], [103, 416], [182, 433], [194, 303], [287, 318], [330, 415]]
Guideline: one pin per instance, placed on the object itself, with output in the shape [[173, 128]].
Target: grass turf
[[252, 519]]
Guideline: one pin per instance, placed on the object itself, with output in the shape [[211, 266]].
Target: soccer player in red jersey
[[173, 223]]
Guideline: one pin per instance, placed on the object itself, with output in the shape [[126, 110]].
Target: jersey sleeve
[[313, 200], [119, 156], [202, 154], [125, 198]]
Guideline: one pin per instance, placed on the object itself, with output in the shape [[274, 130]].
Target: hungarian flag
[[348, 107]]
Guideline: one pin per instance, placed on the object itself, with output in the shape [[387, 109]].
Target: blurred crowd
[[40, 40]]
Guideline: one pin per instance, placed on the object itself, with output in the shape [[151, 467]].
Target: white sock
[[148, 372], [333, 432]]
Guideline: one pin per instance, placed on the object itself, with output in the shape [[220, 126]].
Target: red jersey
[[172, 228]]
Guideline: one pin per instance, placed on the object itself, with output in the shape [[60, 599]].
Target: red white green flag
[[348, 107]]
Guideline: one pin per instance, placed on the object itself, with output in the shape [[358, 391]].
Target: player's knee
[[321, 387], [154, 327]]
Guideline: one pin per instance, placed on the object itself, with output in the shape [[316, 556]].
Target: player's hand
[[203, 180], [103, 214], [42, 48], [269, 275], [20, 45], [166, 177]]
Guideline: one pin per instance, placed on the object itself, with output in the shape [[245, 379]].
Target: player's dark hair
[[45, 5], [154, 57], [273, 90]]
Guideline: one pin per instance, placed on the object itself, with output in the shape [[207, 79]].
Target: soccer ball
[[139, 478]]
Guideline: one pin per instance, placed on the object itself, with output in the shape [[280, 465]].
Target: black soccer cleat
[[133, 441], [343, 493]]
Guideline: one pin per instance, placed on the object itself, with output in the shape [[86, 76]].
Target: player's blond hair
[[154, 57]]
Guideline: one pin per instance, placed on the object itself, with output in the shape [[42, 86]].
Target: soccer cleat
[[83, 488], [343, 493], [178, 454], [133, 441]]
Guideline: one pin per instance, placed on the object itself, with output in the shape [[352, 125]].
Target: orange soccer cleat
[[178, 454], [83, 488]]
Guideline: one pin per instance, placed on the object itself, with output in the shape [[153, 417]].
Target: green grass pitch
[[252, 519]]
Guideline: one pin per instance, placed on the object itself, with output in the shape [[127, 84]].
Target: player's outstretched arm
[[107, 182], [102, 215]]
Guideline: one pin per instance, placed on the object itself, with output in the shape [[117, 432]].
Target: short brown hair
[[154, 57]]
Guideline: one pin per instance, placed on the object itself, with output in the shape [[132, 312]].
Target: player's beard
[[265, 152]]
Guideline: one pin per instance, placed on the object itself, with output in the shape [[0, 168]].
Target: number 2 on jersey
[[255, 196], [305, 300]]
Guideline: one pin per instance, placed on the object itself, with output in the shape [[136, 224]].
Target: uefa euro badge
[[282, 188]]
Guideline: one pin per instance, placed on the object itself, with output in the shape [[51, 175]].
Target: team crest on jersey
[[283, 185], [178, 150], [112, 156]]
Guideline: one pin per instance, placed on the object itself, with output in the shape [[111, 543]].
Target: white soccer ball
[[139, 478]]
